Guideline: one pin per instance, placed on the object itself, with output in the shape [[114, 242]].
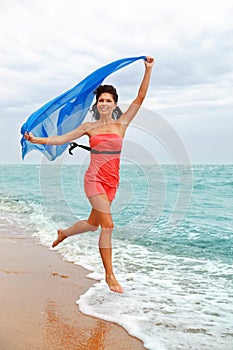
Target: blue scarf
[[67, 111]]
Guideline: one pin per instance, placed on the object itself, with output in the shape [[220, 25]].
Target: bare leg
[[79, 227], [105, 249], [105, 240], [113, 284]]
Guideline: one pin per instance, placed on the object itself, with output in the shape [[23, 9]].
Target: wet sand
[[38, 291]]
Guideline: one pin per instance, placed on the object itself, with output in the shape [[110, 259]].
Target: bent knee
[[91, 227], [94, 228], [108, 225]]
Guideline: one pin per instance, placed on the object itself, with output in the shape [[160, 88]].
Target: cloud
[[48, 46]]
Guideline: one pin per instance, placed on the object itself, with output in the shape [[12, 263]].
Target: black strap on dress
[[92, 150]]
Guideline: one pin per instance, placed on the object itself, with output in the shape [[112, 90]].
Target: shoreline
[[38, 297]]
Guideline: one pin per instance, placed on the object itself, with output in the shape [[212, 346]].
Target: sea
[[172, 245]]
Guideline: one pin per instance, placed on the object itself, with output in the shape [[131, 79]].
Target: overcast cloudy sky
[[48, 46]]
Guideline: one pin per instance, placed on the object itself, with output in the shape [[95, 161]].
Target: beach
[[38, 301], [177, 280]]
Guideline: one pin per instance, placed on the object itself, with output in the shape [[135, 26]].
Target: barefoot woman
[[102, 177]]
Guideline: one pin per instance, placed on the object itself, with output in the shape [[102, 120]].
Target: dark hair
[[98, 92], [106, 88]]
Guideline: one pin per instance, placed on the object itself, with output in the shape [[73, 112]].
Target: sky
[[47, 47]]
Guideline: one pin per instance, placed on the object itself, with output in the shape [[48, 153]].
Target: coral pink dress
[[102, 175]]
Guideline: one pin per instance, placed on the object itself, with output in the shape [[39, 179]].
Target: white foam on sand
[[169, 302]]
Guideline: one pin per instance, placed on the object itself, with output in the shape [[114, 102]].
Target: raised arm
[[136, 104], [59, 140]]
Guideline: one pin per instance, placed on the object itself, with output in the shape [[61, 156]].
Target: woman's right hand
[[29, 137]]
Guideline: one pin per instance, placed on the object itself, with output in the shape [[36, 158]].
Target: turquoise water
[[173, 245]]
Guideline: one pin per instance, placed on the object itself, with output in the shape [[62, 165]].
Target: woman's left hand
[[149, 62]]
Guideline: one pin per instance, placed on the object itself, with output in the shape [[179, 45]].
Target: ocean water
[[173, 246]]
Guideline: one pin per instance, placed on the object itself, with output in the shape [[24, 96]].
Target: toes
[[55, 243], [113, 285], [60, 238], [117, 289]]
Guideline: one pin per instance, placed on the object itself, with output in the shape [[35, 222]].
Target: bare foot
[[60, 238], [114, 286]]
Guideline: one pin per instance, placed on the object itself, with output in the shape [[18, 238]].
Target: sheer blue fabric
[[67, 111]]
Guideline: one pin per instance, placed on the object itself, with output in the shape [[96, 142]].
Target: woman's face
[[106, 104]]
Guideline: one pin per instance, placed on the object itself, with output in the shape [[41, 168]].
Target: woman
[[102, 177]]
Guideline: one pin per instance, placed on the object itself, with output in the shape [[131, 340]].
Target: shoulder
[[130, 113], [88, 126]]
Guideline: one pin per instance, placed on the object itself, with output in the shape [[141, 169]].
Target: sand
[[38, 294]]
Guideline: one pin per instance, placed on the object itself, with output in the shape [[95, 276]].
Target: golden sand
[[38, 291]]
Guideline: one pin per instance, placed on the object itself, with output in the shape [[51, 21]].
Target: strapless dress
[[102, 175]]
